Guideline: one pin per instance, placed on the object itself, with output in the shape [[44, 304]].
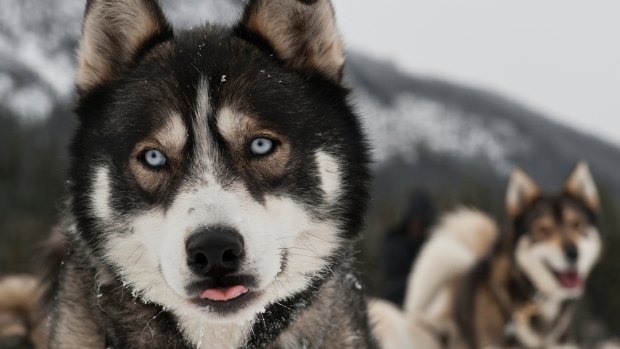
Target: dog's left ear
[[302, 32], [580, 184]]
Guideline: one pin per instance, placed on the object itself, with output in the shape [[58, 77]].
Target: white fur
[[100, 196], [203, 111], [454, 247], [389, 325], [535, 259], [158, 239], [329, 171], [441, 260], [589, 247]]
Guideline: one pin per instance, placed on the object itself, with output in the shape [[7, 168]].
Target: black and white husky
[[218, 182]]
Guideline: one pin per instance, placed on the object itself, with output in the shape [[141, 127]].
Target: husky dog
[[218, 182], [473, 287]]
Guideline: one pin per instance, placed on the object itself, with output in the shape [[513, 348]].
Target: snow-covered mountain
[[481, 134]]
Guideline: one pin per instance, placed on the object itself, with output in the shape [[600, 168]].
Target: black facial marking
[[554, 204]]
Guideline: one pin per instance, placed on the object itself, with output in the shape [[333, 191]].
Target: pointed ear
[[302, 32], [113, 34], [522, 190], [581, 185]]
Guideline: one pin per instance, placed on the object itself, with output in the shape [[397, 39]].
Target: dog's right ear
[[522, 190], [113, 34]]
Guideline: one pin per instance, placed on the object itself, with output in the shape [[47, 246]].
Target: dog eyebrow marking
[[173, 135], [329, 171], [101, 193], [231, 124]]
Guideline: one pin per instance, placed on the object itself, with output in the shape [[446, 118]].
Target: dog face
[[557, 240], [215, 170]]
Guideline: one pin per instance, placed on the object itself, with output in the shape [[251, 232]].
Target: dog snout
[[571, 253], [214, 251]]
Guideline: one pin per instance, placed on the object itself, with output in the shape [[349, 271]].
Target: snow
[[420, 122], [32, 102]]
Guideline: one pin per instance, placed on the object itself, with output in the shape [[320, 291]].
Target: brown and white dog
[[474, 287]]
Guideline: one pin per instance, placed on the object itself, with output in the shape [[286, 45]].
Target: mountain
[[455, 142], [471, 126]]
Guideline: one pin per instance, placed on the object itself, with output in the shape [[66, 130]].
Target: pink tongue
[[223, 294], [570, 279]]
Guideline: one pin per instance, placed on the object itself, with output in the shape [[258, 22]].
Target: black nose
[[214, 251], [571, 252]]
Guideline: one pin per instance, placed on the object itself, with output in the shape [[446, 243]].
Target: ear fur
[[522, 190], [580, 184], [302, 32], [113, 33]]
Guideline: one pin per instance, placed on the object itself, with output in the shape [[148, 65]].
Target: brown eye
[[577, 225]]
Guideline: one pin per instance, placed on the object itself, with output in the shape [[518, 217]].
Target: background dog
[[473, 287]]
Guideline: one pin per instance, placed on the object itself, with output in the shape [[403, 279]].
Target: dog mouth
[[569, 279], [224, 294]]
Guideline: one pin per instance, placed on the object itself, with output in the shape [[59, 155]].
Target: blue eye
[[155, 158], [261, 146]]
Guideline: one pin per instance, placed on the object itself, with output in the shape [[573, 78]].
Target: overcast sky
[[561, 57]]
